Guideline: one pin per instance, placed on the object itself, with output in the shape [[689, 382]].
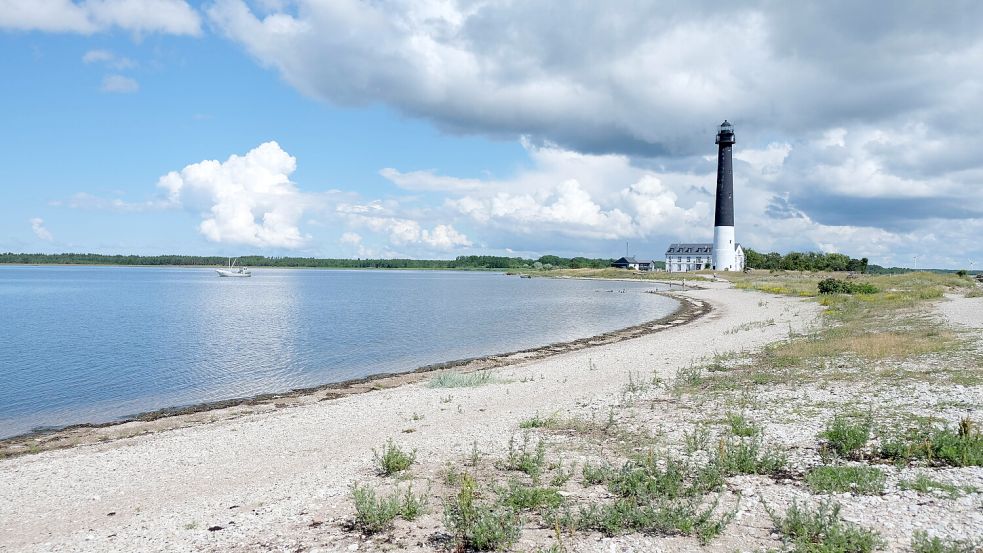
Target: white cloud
[[403, 231], [119, 84], [428, 181], [245, 199], [84, 200], [37, 225], [91, 16], [351, 238], [109, 58]]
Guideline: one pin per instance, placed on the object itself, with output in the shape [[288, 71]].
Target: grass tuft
[[748, 457], [924, 484], [821, 530], [392, 459], [520, 497], [478, 525], [374, 514], [846, 436], [742, 427], [961, 447], [855, 478], [461, 380], [526, 459]]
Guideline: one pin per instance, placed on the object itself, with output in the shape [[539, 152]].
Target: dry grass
[[871, 345]]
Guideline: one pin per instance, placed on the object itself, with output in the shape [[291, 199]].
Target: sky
[[438, 128]]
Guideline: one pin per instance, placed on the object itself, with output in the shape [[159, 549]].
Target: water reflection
[[97, 343]]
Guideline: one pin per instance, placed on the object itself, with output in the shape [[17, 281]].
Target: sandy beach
[[266, 477], [280, 479]]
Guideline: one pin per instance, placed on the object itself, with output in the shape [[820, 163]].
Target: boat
[[233, 270]]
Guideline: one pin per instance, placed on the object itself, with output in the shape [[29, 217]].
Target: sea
[[85, 344]]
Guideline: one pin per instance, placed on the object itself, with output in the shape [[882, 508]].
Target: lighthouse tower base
[[724, 250]]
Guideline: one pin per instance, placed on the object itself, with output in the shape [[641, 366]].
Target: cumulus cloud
[[619, 76], [119, 84], [852, 116], [37, 225], [91, 16], [246, 199], [408, 232]]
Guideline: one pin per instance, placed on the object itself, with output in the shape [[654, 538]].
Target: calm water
[[92, 344]]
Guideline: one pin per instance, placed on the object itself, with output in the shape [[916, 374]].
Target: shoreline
[[269, 477], [158, 420]]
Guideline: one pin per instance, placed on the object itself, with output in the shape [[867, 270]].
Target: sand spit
[[279, 479]]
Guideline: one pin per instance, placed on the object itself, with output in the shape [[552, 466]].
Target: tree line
[[460, 262], [804, 261]]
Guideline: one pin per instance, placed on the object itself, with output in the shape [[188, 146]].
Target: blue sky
[[437, 128]]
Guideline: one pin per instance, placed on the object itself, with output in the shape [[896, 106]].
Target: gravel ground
[[962, 311], [279, 480]]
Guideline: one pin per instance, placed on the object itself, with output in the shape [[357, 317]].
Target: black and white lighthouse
[[724, 249]]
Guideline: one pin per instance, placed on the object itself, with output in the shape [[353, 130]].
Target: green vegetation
[[924, 484], [478, 525], [374, 514], [665, 496], [461, 380], [804, 261], [520, 497], [857, 479], [536, 422], [686, 516], [922, 543], [742, 427], [392, 459], [526, 459], [747, 457], [845, 435], [837, 286], [961, 447], [821, 530]]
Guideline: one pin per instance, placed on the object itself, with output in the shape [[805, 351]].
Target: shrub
[[741, 426], [857, 479], [523, 459], [393, 459], [747, 457], [374, 514], [844, 436], [836, 286], [962, 447], [521, 497], [477, 525], [823, 531], [685, 516]]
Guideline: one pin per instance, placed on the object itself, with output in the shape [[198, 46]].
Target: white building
[[694, 257]]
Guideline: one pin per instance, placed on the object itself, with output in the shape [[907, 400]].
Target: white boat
[[233, 271]]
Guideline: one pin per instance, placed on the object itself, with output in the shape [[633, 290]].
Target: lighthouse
[[725, 252]]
